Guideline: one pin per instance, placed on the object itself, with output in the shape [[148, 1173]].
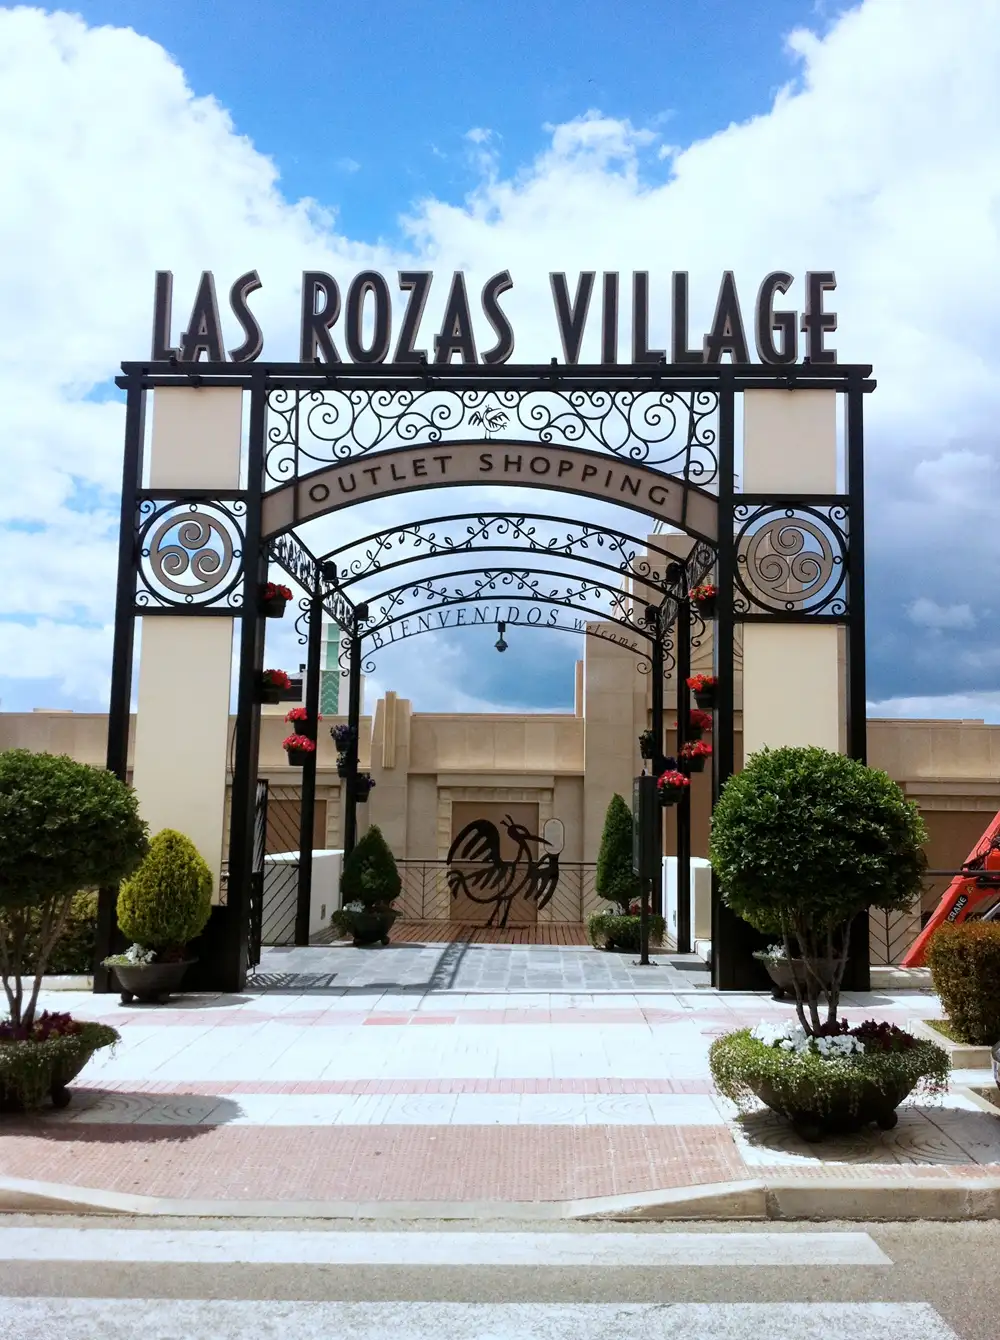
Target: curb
[[863, 1199]]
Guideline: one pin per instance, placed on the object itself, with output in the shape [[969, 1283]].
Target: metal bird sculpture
[[476, 868]]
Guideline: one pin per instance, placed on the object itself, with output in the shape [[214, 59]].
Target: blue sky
[[365, 107]]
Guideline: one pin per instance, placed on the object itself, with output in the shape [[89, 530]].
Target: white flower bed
[[794, 1038]]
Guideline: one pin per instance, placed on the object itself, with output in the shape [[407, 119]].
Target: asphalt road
[[72, 1278]]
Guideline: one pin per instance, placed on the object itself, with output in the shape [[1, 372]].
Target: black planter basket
[[362, 789], [298, 758], [695, 764], [670, 795], [705, 699], [647, 745], [706, 608], [343, 766], [273, 608], [270, 694]]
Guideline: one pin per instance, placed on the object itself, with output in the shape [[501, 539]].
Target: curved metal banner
[[591, 474]]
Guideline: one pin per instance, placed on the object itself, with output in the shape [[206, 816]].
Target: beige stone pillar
[[792, 691], [185, 671]]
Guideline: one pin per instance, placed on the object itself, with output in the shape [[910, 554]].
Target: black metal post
[[354, 721], [857, 974], [308, 811], [657, 714], [108, 937], [725, 930], [644, 924], [683, 881], [236, 933]]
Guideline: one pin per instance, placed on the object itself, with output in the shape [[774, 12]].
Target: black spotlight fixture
[[500, 644]]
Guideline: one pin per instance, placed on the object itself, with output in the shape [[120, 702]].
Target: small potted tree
[[161, 909], [703, 598], [64, 826], [369, 886], [703, 687], [804, 840], [694, 755], [273, 683], [698, 723], [671, 786], [273, 599], [618, 928], [298, 748]]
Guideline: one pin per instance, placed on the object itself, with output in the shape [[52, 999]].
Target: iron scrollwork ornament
[[190, 555], [791, 560]]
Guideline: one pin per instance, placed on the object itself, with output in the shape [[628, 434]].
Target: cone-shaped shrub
[[370, 875], [615, 880], [168, 900]]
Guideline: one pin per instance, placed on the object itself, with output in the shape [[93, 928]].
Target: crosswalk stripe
[[277, 1247], [180, 1319]]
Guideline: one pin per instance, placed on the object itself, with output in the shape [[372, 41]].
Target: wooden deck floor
[[447, 932]]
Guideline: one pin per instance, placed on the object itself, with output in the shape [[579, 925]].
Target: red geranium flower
[[301, 742], [277, 679], [701, 682], [699, 749], [670, 781], [273, 590], [299, 714], [700, 720], [705, 592]]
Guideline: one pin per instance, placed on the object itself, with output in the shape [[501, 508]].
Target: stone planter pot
[[149, 983], [810, 1122], [62, 1066], [783, 973], [368, 928]]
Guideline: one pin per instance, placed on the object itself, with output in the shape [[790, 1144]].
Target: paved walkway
[[369, 1091], [461, 966]]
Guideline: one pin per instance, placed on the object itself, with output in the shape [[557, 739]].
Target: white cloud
[[928, 614], [880, 159], [943, 706]]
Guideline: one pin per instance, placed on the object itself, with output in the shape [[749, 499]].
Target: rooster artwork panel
[[506, 866]]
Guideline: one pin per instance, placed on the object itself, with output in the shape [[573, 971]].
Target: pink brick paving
[[223, 1087], [352, 1163]]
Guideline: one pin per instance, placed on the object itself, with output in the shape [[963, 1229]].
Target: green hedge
[[612, 930], [965, 968], [76, 948]]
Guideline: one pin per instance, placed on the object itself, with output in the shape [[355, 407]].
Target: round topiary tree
[[804, 839], [615, 880], [168, 900], [64, 827], [369, 884]]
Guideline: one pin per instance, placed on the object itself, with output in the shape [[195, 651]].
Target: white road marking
[[440, 1248], [182, 1319]]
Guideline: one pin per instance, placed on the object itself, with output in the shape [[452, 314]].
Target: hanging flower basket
[[703, 687], [298, 749], [273, 599], [704, 597], [299, 718], [693, 756], [698, 723], [671, 786], [343, 765], [273, 683], [342, 736], [647, 744], [363, 787]]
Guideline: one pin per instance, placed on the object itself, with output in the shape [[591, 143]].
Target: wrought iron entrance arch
[[669, 428]]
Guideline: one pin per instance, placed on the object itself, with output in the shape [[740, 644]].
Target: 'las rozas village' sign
[[364, 314]]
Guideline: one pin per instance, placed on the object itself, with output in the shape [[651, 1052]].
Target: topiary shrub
[[803, 840], [621, 931], [965, 968], [615, 881], [168, 900], [369, 884], [64, 826]]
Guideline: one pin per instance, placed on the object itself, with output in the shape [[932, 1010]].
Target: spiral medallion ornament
[[791, 560], [191, 554]]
